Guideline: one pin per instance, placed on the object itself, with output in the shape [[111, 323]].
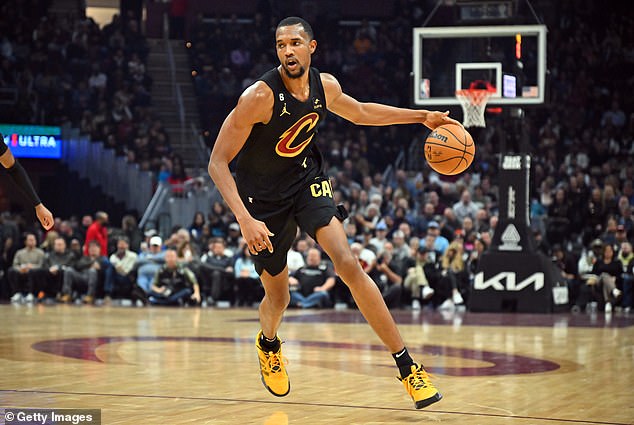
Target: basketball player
[[280, 184], [22, 180]]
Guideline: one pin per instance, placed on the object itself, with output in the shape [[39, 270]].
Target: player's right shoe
[[419, 387], [272, 370]]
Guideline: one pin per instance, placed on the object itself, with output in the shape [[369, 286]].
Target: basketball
[[449, 149]]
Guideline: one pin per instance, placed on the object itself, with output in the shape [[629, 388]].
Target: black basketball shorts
[[311, 208]]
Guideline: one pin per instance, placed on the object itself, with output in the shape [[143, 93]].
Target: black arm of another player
[[17, 173]]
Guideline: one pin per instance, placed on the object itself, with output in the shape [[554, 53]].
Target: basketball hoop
[[474, 101]]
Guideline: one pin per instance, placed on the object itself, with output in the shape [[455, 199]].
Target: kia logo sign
[[507, 281]]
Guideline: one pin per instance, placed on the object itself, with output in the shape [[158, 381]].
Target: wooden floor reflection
[[198, 366]]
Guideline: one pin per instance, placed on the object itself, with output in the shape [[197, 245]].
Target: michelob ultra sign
[[33, 141]]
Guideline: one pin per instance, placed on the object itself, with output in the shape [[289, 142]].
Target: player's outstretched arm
[[22, 180], [376, 113], [255, 105]]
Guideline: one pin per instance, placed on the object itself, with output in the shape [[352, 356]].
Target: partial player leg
[[332, 239], [269, 346], [275, 301], [364, 291]]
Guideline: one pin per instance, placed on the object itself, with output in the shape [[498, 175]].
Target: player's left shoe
[[419, 387], [272, 370]]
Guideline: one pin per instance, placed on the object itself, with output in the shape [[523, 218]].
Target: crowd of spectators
[[418, 235], [68, 70], [87, 261], [417, 260]]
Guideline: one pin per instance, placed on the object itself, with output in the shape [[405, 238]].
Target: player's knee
[[347, 267], [279, 300]]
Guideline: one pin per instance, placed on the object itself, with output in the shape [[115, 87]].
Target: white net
[[473, 102]]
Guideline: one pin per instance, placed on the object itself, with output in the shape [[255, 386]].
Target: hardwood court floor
[[198, 366]]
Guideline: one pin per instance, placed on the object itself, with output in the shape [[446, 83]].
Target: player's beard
[[300, 71]]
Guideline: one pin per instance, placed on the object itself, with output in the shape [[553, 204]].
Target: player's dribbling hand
[[44, 215], [257, 236], [434, 119]]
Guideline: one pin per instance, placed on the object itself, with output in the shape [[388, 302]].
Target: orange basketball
[[449, 149]]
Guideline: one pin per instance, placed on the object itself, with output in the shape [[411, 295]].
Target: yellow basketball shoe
[[272, 370], [420, 388]]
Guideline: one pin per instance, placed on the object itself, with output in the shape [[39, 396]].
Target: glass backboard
[[511, 57]]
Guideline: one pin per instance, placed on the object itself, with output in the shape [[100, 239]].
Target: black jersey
[[279, 157]]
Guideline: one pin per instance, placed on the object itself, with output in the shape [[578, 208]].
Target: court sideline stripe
[[294, 403]]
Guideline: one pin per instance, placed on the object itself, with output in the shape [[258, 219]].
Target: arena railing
[[175, 204], [122, 181]]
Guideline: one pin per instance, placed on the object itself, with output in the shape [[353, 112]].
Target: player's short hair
[[295, 20]]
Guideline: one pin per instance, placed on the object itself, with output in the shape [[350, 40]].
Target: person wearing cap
[[21, 179], [147, 234], [379, 239], [148, 262], [440, 242]]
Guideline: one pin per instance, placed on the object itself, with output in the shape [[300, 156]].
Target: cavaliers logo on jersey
[[287, 146]]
